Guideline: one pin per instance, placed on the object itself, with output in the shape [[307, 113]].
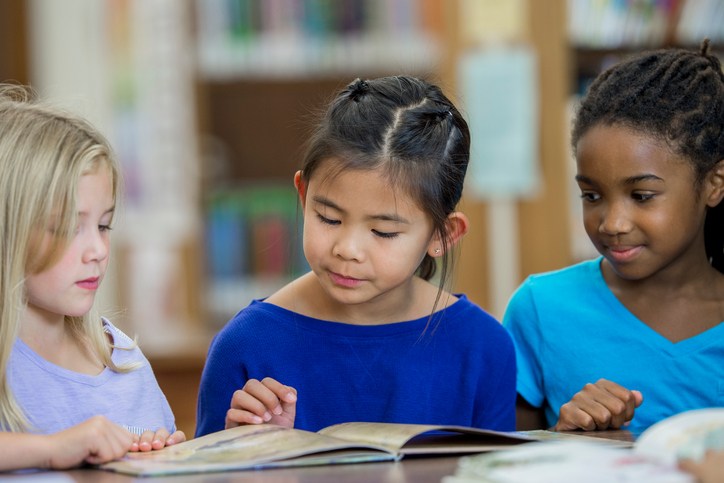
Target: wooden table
[[409, 470]]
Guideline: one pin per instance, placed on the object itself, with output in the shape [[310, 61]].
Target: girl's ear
[[457, 227], [300, 186], [716, 182]]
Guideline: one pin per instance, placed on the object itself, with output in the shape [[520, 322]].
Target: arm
[[528, 416], [94, 441], [265, 401], [603, 405], [708, 470]]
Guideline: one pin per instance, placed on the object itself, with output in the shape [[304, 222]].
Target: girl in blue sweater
[[366, 335]]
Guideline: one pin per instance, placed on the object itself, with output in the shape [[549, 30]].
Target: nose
[[348, 246], [97, 246], [615, 219]]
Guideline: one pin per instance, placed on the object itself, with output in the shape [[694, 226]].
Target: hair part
[[407, 128], [43, 153], [676, 96]]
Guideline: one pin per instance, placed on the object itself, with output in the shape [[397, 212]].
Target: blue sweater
[[461, 370]]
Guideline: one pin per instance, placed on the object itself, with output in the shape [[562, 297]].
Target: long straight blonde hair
[[43, 153]]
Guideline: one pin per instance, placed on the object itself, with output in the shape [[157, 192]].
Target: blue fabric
[[570, 329], [54, 398], [461, 371]]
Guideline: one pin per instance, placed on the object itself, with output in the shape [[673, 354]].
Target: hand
[[94, 441], [708, 470], [265, 401], [150, 440], [603, 405]]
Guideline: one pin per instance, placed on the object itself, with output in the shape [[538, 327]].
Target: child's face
[[362, 237], [640, 206], [69, 287]]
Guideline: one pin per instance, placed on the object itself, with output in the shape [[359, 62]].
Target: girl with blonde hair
[[73, 387]]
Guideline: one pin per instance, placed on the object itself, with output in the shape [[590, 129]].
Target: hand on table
[[603, 405]]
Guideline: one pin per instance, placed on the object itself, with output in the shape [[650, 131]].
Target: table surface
[[409, 470]]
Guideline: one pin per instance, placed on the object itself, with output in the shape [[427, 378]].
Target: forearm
[[528, 417], [23, 450]]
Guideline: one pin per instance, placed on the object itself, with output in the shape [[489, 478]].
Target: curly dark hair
[[674, 95]]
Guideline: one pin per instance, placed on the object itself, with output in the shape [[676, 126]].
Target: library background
[[208, 104]]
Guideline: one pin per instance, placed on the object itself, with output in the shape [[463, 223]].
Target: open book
[[268, 446], [652, 458]]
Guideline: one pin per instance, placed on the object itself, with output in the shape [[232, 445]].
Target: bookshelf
[[603, 32]]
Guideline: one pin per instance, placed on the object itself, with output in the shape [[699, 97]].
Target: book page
[[685, 435], [568, 460], [425, 439], [244, 447]]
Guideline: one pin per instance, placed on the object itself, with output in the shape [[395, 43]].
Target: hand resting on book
[[265, 401]]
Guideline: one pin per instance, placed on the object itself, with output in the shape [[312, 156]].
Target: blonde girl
[[73, 388]]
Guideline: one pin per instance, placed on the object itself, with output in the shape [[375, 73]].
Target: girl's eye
[[642, 197], [103, 228], [326, 220], [383, 234], [590, 196]]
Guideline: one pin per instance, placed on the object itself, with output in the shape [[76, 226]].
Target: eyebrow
[[111, 210], [381, 216], [628, 181]]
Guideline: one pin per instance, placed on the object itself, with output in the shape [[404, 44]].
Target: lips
[[623, 254], [89, 283], [344, 281]]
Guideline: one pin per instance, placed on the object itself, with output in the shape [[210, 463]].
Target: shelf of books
[[310, 38], [253, 245], [604, 31]]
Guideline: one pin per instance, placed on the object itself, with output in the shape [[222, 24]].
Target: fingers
[[150, 440], [103, 440], [602, 405], [153, 440], [708, 470], [177, 437], [261, 402]]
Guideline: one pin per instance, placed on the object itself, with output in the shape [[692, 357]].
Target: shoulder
[[251, 323], [572, 275], [119, 338], [560, 284], [474, 318]]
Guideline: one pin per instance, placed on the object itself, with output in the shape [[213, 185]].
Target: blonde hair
[[43, 153]]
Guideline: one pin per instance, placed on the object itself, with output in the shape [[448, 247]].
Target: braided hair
[[674, 95], [410, 130]]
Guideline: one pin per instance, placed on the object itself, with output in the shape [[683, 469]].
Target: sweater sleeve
[[522, 321], [222, 375]]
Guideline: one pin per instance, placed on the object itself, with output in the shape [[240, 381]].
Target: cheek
[[591, 221]]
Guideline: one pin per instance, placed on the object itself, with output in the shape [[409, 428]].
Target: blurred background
[[208, 104]]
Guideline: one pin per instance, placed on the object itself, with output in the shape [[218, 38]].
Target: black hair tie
[[358, 89]]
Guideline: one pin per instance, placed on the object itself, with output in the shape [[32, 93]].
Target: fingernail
[[256, 420], [267, 416], [277, 410], [290, 397]]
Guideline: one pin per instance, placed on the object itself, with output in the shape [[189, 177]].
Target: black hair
[[408, 128], [674, 95]]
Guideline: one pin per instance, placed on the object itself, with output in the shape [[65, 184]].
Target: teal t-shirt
[[569, 329]]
